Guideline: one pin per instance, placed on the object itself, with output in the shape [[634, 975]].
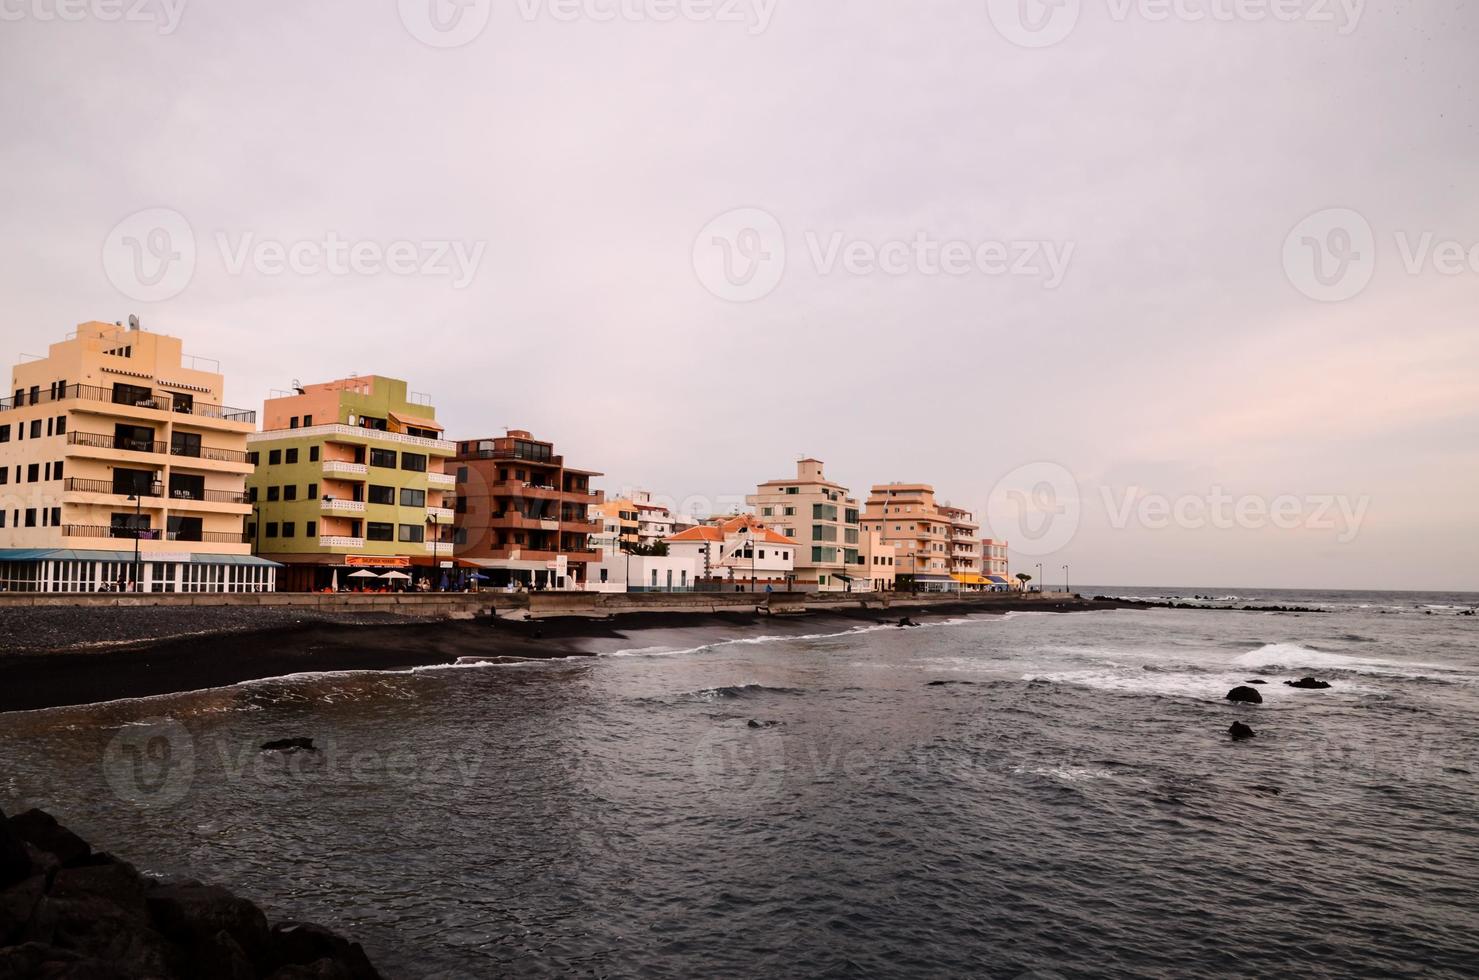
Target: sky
[[1167, 291]]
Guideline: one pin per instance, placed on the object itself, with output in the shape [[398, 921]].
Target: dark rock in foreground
[[68, 911], [1245, 695], [1240, 731], [1308, 684], [1256, 682], [289, 745]]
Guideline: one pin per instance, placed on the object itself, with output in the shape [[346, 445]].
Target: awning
[[430, 562], [72, 554], [415, 422], [1000, 579], [510, 565], [970, 579]]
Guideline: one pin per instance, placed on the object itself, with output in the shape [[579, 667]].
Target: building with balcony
[[935, 544], [620, 530], [994, 563], [738, 552], [522, 515], [350, 477], [880, 562], [821, 519], [120, 468]]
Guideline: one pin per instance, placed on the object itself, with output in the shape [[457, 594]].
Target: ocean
[[1028, 795]]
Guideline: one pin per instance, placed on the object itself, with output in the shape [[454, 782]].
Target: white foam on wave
[[773, 638], [1069, 774], [1292, 656]]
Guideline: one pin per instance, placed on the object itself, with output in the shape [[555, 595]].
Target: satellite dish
[[133, 321]]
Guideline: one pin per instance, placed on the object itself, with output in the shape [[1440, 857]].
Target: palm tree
[[1024, 578]]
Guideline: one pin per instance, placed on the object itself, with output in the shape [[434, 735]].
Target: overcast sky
[[1177, 294]]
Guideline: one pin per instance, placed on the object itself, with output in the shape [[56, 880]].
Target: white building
[[741, 551], [648, 573]]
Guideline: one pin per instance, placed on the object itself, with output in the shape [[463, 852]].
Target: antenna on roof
[[133, 321], [298, 387]]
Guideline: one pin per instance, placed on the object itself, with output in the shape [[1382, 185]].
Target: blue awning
[[999, 580], [71, 554]]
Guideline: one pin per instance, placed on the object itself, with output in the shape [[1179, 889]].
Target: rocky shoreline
[[69, 911]]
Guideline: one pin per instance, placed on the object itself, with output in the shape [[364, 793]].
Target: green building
[[349, 479]]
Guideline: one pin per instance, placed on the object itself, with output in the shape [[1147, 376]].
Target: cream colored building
[[880, 562], [936, 544], [119, 464], [822, 520]]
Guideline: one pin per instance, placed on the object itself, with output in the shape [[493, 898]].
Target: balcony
[[345, 467], [173, 404], [208, 496], [151, 534], [329, 433], [442, 514], [336, 506], [341, 543], [96, 440], [444, 480], [75, 485]]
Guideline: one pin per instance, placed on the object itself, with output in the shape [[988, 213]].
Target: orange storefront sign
[[397, 562]]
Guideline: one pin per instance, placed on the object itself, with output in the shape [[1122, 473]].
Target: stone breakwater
[[67, 910]]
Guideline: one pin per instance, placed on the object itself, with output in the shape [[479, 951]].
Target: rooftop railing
[[166, 402]]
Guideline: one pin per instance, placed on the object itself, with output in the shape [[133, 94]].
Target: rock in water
[[1245, 695], [1256, 682], [1308, 684], [1240, 731], [289, 745]]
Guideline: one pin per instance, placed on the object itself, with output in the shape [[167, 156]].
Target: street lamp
[[1065, 578], [1039, 577], [432, 520], [138, 503]]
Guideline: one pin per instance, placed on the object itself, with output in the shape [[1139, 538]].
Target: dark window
[[5, 432], [185, 444], [56, 470], [186, 487], [33, 473], [415, 462], [272, 529], [251, 495], [290, 492], [293, 422], [61, 425], [254, 457], [274, 457], [4, 475], [462, 474], [462, 505], [310, 529], [307, 421], [413, 498], [289, 529], [459, 536], [383, 457], [382, 495], [30, 517], [272, 493], [312, 493], [133, 482], [313, 454], [133, 395], [35, 428], [375, 531], [413, 532], [184, 528], [292, 457]]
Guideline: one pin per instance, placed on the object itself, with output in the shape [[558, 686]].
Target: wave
[[741, 691]]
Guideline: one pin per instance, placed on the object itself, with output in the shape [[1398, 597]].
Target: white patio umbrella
[[397, 575], [334, 584], [363, 573]]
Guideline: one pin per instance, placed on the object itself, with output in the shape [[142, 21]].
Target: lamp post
[[750, 537], [138, 503], [1065, 578], [1039, 576], [432, 520]]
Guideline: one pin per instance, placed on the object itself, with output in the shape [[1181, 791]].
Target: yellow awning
[[970, 579], [414, 422]]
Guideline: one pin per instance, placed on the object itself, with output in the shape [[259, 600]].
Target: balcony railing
[[158, 403], [344, 506], [210, 496], [206, 452], [353, 432], [344, 466], [97, 440], [108, 486], [151, 534], [335, 541], [441, 480]]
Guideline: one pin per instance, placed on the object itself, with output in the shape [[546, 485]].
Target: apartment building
[[120, 467], [994, 560], [350, 477], [821, 519], [523, 515], [620, 527], [655, 521], [935, 543], [880, 562]]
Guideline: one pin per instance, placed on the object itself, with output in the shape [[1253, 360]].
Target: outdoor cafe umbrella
[[397, 575], [363, 573]]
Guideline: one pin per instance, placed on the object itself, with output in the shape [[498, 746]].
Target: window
[[383, 457], [382, 495], [461, 471], [293, 422], [290, 456], [411, 497], [823, 532], [184, 528], [307, 421], [251, 495], [132, 395], [313, 454], [310, 529], [312, 493], [5, 432], [33, 473], [789, 512], [376, 531], [274, 457], [289, 529], [254, 457], [767, 511], [823, 512], [414, 533], [4, 475], [415, 462], [56, 470], [290, 492], [185, 444], [35, 428], [273, 493], [272, 529], [461, 503]]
